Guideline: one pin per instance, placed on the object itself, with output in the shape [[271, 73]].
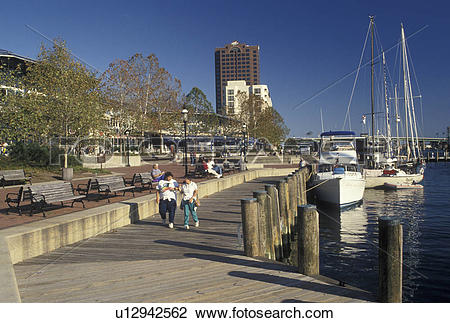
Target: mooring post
[[308, 240], [301, 187], [283, 201], [276, 223], [250, 230], [292, 205], [261, 197], [297, 186], [390, 257]]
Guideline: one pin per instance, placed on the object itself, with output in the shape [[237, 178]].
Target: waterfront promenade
[[147, 262]]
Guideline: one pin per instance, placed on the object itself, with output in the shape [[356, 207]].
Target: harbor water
[[349, 239]]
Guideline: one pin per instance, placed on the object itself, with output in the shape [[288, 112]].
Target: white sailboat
[[389, 166], [338, 180]]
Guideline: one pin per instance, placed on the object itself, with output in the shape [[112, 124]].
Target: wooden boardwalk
[[148, 262]]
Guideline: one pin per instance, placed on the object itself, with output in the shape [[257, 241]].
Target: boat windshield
[[333, 168], [337, 146]]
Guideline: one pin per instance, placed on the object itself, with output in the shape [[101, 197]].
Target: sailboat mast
[[321, 119], [406, 94], [397, 121], [371, 89], [388, 126]]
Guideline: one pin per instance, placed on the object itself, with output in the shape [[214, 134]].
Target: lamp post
[[127, 133], [225, 147], [244, 129], [185, 113]]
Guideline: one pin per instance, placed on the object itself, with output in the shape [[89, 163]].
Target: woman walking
[[189, 202]]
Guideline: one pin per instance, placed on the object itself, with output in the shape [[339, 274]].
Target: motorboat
[[338, 180]]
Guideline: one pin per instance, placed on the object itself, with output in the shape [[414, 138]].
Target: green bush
[[29, 153], [34, 154]]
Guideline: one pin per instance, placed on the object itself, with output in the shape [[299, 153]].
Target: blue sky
[[304, 46]]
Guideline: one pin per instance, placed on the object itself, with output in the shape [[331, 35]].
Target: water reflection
[[349, 239]]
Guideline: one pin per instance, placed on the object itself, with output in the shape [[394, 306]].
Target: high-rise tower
[[235, 62]]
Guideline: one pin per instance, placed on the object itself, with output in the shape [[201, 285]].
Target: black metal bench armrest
[[84, 188], [129, 180], [8, 198], [80, 187]]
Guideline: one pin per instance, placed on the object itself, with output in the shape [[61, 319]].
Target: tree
[[57, 96], [262, 121], [201, 113], [141, 95]]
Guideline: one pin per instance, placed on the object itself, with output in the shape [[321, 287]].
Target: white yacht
[[338, 180]]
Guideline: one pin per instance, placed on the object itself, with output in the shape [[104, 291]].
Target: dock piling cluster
[[279, 224]]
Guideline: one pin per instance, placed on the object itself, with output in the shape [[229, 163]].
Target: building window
[[257, 91], [230, 92], [231, 98]]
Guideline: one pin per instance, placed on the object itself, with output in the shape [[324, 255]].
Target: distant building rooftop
[[6, 53]]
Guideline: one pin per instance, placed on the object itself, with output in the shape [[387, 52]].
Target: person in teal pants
[[190, 194]]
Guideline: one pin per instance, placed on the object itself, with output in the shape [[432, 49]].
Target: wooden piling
[[264, 221], [292, 192], [302, 186], [250, 229], [297, 186], [390, 257], [308, 240], [276, 221], [283, 198]]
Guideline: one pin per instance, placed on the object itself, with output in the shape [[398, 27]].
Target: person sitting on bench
[[157, 174], [214, 169]]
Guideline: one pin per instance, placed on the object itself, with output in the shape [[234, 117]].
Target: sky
[[305, 46]]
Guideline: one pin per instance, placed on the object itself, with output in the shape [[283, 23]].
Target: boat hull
[[343, 191], [374, 179], [402, 186]]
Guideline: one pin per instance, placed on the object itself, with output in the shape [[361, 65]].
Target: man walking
[[167, 198]]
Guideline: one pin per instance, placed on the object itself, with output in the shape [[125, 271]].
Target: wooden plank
[[147, 262]]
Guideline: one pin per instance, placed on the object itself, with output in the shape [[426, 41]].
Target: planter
[[67, 174]]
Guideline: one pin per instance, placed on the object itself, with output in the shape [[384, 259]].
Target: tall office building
[[235, 62]]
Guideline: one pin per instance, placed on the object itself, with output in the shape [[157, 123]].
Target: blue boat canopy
[[338, 133]]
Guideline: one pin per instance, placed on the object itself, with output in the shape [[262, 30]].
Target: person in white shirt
[[190, 195], [166, 198], [211, 168]]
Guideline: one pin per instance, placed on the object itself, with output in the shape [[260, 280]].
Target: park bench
[[143, 179], [46, 194], [199, 171], [83, 189], [14, 175], [15, 199], [111, 184]]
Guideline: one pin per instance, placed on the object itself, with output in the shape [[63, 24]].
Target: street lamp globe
[[185, 113]]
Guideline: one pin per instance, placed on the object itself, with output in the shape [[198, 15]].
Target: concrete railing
[[33, 239]]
